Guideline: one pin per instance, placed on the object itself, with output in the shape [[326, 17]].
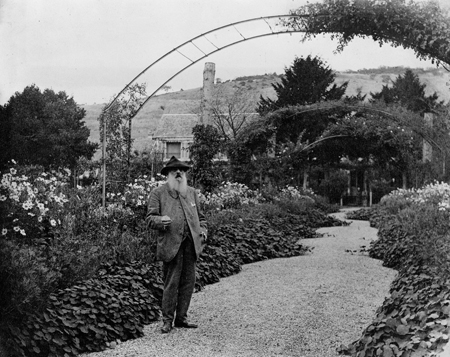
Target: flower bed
[[414, 228], [81, 277]]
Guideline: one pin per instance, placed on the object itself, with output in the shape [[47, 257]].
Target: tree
[[285, 126], [166, 88], [307, 81], [207, 144], [231, 110], [44, 128], [407, 91]]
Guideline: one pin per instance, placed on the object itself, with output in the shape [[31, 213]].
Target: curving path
[[303, 306]]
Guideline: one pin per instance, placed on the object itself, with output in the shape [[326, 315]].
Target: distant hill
[[186, 101]]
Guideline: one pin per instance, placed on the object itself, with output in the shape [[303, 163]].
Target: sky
[[92, 48]]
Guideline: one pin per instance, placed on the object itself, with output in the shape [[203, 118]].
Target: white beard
[[178, 184]]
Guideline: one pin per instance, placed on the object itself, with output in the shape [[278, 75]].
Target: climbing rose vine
[[421, 26]]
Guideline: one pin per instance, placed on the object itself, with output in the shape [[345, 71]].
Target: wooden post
[[104, 163], [427, 150], [305, 180], [364, 193]]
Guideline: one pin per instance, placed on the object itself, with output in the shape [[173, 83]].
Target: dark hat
[[174, 164]]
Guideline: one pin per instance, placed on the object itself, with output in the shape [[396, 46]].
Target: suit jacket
[[166, 202]]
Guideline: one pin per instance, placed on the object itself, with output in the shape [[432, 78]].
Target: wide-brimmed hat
[[172, 164]]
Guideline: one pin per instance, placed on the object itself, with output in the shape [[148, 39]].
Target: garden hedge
[[414, 320]]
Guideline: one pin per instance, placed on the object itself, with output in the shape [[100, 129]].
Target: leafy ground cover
[[77, 277], [363, 214], [414, 228]]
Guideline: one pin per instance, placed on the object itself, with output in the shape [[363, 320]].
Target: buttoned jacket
[[180, 208]]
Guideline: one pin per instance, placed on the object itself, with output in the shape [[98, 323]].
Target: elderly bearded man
[[174, 211]]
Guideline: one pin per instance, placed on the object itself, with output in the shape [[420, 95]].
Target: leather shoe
[[167, 327], [185, 324]]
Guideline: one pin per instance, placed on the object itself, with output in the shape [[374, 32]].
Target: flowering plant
[[293, 192], [31, 205], [136, 193], [230, 195], [436, 193]]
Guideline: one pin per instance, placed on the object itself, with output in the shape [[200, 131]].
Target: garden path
[[302, 306]]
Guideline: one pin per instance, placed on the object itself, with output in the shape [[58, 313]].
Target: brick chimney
[[209, 73]]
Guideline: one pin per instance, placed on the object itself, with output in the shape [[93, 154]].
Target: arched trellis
[[368, 108], [205, 52]]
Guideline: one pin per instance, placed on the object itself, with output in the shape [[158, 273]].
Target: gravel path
[[303, 306]]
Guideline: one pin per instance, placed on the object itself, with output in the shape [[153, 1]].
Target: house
[[174, 135]]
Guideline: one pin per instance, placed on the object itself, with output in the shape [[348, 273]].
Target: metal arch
[[364, 108], [194, 62], [286, 31]]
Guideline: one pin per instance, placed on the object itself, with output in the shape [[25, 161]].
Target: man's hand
[[204, 236], [166, 221]]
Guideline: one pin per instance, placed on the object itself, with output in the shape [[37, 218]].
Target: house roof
[[176, 125]]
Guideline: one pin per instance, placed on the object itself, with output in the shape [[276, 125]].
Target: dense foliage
[[78, 277], [308, 80], [407, 91], [43, 128], [421, 26], [413, 239], [206, 146], [93, 314], [383, 138]]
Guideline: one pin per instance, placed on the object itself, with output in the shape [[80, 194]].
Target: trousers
[[179, 282]]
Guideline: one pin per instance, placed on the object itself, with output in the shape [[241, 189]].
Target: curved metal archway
[[368, 108], [205, 52]]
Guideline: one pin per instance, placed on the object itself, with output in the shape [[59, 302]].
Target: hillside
[[185, 102]]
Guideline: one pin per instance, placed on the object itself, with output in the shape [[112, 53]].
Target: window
[[173, 149]]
